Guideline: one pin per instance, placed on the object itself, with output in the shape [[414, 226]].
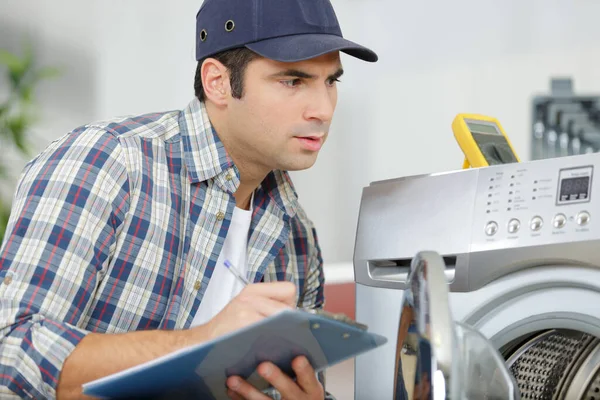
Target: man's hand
[[306, 387], [254, 303]]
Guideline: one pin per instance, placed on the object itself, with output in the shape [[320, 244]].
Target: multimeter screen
[[492, 143], [481, 128]]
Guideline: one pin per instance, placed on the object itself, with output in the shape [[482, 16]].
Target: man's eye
[[332, 82], [292, 82]]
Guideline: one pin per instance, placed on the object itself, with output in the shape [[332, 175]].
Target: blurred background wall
[[393, 119]]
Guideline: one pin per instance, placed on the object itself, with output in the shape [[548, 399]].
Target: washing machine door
[[545, 321], [437, 358]]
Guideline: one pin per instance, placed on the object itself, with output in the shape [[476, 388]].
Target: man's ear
[[215, 81]]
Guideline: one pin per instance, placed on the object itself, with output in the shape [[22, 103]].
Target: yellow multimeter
[[483, 141]]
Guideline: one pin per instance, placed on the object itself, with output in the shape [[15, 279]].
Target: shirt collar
[[206, 158]]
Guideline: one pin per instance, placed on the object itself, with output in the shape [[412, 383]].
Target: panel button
[[536, 223], [583, 218], [559, 221], [491, 228], [514, 225]]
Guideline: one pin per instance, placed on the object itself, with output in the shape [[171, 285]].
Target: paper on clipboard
[[201, 371]]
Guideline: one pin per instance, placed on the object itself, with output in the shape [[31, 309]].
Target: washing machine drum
[[556, 364]]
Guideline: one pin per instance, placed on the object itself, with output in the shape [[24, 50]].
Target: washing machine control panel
[[526, 204]]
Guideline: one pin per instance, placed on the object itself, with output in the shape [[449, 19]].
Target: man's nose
[[322, 106]]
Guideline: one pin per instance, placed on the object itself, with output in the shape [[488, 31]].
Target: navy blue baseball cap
[[282, 30]]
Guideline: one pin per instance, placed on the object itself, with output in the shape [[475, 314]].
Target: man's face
[[283, 117]]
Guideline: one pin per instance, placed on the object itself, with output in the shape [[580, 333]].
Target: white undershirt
[[223, 285]]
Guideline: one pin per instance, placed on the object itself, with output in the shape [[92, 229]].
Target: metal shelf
[[564, 123]]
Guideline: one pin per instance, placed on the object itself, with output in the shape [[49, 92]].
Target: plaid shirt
[[117, 227]]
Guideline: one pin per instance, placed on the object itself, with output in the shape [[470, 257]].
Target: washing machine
[[520, 245]]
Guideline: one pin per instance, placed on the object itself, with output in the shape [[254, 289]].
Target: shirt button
[[229, 176], [197, 285], [7, 280], [220, 216]]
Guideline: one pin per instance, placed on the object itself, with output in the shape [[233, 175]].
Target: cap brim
[[306, 46]]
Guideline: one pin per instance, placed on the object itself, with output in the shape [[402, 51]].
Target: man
[[114, 252]]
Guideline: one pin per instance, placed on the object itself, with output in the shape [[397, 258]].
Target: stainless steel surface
[[585, 383], [583, 218], [559, 220], [536, 223], [387, 241], [506, 310], [426, 330], [374, 370], [593, 390], [542, 365], [491, 228], [437, 358], [509, 283], [514, 225], [464, 215], [519, 350]]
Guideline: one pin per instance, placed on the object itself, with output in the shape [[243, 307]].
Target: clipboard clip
[[340, 317]]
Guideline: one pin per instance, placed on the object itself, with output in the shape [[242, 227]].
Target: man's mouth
[[311, 143]]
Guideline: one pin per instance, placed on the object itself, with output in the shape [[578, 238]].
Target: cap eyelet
[[203, 35], [229, 25]]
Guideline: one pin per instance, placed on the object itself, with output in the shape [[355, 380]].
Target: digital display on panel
[[574, 188]]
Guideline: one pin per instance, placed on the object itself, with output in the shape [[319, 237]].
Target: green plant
[[19, 112]]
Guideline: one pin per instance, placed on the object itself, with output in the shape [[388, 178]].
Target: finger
[[244, 316], [280, 381], [244, 390], [306, 376], [233, 395], [265, 306], [284, 292]]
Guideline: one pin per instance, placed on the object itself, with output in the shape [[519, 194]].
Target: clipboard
[[201, 371]]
